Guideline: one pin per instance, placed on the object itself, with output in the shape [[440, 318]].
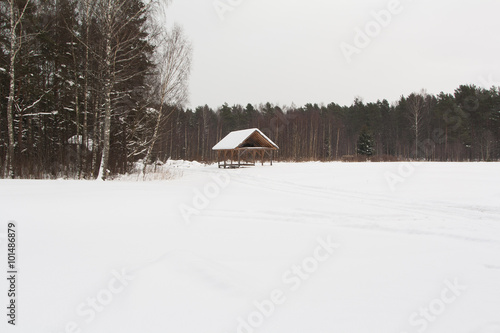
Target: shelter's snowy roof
[[237, 138]]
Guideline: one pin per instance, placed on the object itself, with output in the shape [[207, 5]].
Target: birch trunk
[[10, 100], [103, 169]]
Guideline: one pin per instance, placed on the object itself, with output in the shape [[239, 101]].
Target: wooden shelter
[[243, 148]]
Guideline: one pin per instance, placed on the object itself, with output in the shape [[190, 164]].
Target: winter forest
[[89, 87]]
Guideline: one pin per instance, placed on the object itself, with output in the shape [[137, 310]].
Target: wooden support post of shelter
[[243, 147]]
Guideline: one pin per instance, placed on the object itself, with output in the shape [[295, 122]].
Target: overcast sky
[[323, 51]]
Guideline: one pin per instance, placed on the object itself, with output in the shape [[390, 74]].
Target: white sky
[[288, 51]]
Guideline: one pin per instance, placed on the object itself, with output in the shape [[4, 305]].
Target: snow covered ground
[[293, 248]]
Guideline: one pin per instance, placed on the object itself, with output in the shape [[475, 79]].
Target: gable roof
[[249, 138]]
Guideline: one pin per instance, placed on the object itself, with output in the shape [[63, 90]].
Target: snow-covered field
[[293, 248]]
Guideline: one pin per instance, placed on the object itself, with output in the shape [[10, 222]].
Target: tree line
[[83, 84], [89, 87], [462, 126]]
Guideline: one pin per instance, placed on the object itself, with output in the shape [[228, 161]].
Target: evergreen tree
[[365, 143]]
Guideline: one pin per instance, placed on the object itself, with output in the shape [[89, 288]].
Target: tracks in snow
[[385, 213]]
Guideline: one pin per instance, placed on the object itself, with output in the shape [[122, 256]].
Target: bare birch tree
[[86, 9], [15, 15], [416, 103], [174, 65], [114, 17]]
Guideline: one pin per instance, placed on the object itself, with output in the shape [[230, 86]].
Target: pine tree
[[365, 143]]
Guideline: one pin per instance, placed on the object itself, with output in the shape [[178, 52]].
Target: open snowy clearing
[[293, 248]]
